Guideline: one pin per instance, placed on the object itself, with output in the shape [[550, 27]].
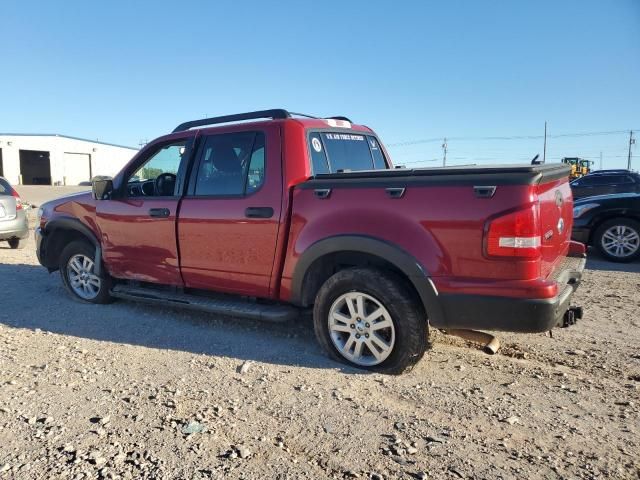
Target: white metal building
[[51, 159]]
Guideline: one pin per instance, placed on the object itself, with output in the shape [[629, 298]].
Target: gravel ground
[[133, 391]]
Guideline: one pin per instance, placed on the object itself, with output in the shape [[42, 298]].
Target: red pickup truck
[[264, 213]]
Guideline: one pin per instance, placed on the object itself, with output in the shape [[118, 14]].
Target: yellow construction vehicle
[[579, 166]]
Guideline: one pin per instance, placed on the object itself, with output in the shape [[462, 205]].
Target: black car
[[604, 182], [611, 223]]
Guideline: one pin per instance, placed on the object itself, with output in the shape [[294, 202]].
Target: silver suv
[[14, 227]]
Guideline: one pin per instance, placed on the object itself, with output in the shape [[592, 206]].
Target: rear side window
[[603, 179], [318, 156], [332, 152], [376, 152], [255, 176], [5, 188], [231, 164]]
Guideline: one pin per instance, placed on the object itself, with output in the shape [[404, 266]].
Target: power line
[[512, 137]]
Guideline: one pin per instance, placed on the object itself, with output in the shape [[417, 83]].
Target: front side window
[[231, 164], [157, 176]]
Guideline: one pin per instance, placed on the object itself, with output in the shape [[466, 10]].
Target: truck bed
[[516, 174], [440, 216]]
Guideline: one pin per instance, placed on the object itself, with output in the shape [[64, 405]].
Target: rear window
[[332, 152], [5, 188]]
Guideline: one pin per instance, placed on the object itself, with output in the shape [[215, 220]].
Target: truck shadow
[[30, 298], [595, 261]]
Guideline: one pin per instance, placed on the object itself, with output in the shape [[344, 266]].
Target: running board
[[220, 304]]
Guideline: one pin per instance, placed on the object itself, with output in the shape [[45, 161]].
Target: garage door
[[77, 168]]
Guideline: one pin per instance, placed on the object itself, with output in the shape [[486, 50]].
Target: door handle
[[258, 212], [395, 192], [322, 192], [159, 212]]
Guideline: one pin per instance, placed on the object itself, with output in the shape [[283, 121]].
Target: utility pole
[[444, 152], [600, 160], [544, 151], [631, 142]]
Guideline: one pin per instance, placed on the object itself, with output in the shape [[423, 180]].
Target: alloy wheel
[[82, 280], [361, 329], [620, 241]]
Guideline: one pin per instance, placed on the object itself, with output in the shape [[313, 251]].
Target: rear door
[[230, 217], [138, 225]]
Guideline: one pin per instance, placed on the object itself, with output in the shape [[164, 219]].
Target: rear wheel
[[618, 239], [370, 319], [78, 273], [17, 243]]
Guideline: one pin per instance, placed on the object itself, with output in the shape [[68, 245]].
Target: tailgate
[[556, 219], [7, 207]]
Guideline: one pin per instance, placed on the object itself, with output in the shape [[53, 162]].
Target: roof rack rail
[[340, 118], [302, 115], [276, 114]]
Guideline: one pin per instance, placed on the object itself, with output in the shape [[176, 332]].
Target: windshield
[[334, 152]]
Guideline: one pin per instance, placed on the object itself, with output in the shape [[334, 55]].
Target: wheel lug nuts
[[366, 335], [357, 335], [353, 325], [366, 325]]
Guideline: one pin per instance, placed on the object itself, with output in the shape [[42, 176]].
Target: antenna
[[444, 151]]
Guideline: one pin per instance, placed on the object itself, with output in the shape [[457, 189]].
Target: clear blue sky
[[123, 71]]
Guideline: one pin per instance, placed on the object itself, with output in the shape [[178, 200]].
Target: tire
[[608, 236], [76, 259], [407, 339], [17, 243]]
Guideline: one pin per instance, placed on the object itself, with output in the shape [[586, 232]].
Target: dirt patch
[[133, 391]]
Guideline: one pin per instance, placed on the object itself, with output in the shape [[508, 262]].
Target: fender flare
[[398, 257], [68, 223]]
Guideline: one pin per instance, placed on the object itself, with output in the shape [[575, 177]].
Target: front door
[[229, 219], [138, 225]]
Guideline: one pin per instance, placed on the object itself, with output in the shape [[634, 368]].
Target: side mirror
[[102, 188]]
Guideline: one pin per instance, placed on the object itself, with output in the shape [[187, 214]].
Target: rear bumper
[[509, 314], [16, 228]]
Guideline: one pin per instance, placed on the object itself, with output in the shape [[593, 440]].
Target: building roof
[[65, 136]]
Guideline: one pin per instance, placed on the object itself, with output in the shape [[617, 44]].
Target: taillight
[[515, 234], [18, 201]]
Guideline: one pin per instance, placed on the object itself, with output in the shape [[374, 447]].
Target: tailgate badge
[[560, 226], [559, 199]]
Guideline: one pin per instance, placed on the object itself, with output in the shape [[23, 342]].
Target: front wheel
[[78, 274], [370, 319], [619, 239]]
